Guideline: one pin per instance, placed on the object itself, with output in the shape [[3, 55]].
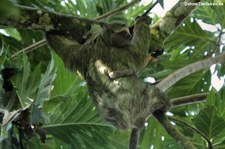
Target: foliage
[[58, 100]]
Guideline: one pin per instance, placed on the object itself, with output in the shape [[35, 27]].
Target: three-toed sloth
[[109, 63]]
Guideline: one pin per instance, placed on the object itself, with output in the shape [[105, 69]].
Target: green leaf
[[212, 15], [78, 121], [151, 135], [13, 33], [195, 83], [73, 117], [135, 11], [155, 135], [191, 34], [207, 14], [27, 82], [45, 85], [65, 80], [217, 99], [43, 94], [209, 123], [7, 9], [11, 43]]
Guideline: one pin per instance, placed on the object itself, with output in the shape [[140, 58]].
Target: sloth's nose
[[128, 35]]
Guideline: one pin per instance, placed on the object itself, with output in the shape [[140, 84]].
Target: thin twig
[[40, 45], [150, 8], [114, 11], [30, 47]]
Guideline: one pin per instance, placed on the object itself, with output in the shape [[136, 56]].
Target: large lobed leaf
[[210, 119], [192, 35]]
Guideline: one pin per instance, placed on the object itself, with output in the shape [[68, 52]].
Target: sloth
[[109, 63]]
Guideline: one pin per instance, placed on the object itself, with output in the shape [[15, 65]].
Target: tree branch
[[134, 138], [189, 69], [44, 20], [180, 101], [193, 129], [173, 18], [166, 25]]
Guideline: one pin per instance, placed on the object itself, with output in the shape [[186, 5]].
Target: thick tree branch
[[187, 70], [43, 42], [180, 101], [44, 20]]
